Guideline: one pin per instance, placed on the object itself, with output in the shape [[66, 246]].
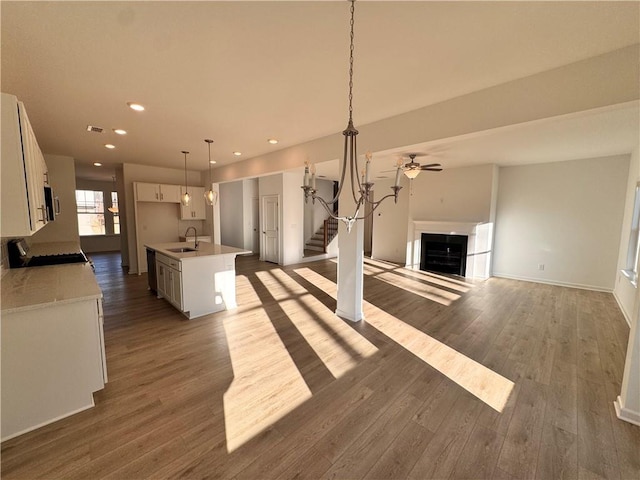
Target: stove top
[[59, 259]]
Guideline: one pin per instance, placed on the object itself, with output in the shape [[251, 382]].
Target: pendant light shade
[[210, 196], [114, 208], [186, 198]]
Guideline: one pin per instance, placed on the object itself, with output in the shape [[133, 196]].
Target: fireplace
[[443, 253]]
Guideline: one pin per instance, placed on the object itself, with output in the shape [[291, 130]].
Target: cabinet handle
[[57, 199], [44, 214], [157, 196], [46, 177], [161, 196]]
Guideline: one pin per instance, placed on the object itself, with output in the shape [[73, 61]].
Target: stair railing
[[329, 223]]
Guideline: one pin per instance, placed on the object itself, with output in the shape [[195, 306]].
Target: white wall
[[231, 214], [456, 194], [390, 223], [564, 215], [292, 219], [249, 193], [624, 291], [62, 178], [142, 173]]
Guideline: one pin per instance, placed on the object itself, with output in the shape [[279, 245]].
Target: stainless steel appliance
[[52, 203]]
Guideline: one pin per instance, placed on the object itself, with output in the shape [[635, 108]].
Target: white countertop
[[37, 287], [205, 249]]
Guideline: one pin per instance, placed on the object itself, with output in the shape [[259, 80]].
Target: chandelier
[[361, 190]]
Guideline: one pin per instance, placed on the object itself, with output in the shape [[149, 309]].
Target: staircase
[[319, 241]]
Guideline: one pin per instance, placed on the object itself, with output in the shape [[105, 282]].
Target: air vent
[[91, 128]]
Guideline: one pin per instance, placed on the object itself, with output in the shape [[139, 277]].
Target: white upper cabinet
[[24, 173], [196, 209], [154, 192]]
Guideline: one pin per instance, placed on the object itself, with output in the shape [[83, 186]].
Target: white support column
[[628, 402], [350, 271]]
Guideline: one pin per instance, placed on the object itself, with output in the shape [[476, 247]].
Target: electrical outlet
[[541, 266]]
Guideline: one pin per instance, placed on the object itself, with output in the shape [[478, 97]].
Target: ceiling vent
[[91, 128]]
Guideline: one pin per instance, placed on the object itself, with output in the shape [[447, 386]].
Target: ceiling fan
[[413, 168]]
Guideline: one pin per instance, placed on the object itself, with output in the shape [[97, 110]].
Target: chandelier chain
[[351, 63]]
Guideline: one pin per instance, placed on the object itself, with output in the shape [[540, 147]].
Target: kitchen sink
[[181, 250]]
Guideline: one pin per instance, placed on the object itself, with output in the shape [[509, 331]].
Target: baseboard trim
[[556, 283], [624, 313], [47, 422], [626, 414]]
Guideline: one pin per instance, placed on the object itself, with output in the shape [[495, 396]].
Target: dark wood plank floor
[[281, 388]]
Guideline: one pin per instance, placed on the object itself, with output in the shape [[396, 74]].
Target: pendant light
[[186, 198], [210, 196], [114, 208]]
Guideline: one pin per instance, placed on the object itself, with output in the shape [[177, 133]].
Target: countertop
[[38, 287], [205, 249]]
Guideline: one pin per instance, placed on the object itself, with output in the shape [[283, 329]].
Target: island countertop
[[205, 249]]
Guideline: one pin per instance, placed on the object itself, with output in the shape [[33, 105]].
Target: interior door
[[270, 230]]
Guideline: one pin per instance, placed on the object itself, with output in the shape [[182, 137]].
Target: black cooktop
[[59, 259], [18, 251]]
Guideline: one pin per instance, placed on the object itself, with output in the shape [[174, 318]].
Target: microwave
[[52, 203]]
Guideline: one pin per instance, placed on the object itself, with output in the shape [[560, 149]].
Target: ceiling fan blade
[[431, 169], [388, 171], [429, 165]]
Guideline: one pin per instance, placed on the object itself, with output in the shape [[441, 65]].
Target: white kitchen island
[[196, 282]]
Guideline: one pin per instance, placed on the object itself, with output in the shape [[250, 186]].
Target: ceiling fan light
[[412, 173]]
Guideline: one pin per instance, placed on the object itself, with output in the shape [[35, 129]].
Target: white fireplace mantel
[[479, 244]]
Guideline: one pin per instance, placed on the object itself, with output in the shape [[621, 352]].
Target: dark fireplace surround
[[443, 253]]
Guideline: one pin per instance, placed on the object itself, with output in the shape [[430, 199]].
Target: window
[[115, 210], [90, 208], [631, 269]]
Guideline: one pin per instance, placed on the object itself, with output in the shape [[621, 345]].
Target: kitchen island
[[196, 281]]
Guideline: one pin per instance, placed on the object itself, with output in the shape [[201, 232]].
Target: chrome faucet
[[195, 234]]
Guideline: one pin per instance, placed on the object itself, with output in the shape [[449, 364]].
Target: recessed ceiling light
[[272, 141], [119, 131], [237, 154], [109, 146], [212, 162], [135, 106], [97, 164]]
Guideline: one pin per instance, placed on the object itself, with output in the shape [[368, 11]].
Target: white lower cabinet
[[52, 360], [169, 279]]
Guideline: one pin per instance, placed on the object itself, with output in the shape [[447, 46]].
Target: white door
[[270, 233]]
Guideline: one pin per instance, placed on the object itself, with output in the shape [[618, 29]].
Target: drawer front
[[172, 262]]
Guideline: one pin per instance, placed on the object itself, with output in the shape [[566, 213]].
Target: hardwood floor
[[445, 379]]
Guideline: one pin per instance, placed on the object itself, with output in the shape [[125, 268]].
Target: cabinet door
[[198, 204], [176, 288], [161, 270], [147, 192], [196, 208], [170, 193]]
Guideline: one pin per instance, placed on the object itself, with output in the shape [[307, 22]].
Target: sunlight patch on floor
[[266, 382], [338, 346], [430, 292], [487, 385]]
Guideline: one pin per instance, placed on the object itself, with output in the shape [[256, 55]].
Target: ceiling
[[244, 72]]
